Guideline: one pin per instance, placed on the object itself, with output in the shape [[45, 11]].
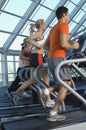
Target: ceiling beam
[[74, 30], [76, 9], [2, 3], [21, 23]]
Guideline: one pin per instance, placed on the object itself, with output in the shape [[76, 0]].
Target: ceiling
[[17, 15]]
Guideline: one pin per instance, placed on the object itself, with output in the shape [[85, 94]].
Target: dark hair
[[24, 42], [60, 11]]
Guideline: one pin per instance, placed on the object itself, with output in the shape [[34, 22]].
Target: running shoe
[[56, 117], [50, 103]]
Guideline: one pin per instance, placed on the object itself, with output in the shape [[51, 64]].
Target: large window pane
[[17, 7]]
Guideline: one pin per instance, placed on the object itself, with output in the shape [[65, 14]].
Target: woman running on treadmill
[[23, 62], [36, 58]]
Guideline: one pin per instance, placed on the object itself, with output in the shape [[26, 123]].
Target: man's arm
[[65, 43]]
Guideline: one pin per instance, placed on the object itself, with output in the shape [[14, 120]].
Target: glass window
[[10, 67], [17, 66], [0, 56], [16, 58], [16, 45], [9, 58], [77, 16], [8, 22], [1, 81], [71, 26], [75, 1], [70, 6], [25, 30], [0, 68], [50, 3], [53, 22], [40, 12], [84, 7], [17, 7], [81, 28], [3, 38], [11, 77]]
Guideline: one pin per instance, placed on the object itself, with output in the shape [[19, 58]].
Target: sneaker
[[50, 103], [15, 99], [42, 97], [9, 94], [56, 117], [25, 94]]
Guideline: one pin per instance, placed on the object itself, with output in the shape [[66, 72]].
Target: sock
[[52, 113], [46, 91]]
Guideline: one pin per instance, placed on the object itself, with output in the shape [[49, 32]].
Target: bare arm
[[24, 53], [23, 57], [47, 44], [64, 42], [32, 39]]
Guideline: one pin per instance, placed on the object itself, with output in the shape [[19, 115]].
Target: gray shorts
[[65, 73]]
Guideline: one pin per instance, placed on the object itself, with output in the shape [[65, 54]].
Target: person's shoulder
[[63, 24], [54, 27]]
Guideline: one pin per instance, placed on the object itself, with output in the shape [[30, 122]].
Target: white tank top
[[41, 42]]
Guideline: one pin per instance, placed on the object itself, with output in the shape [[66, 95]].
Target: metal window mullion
[[21, 23], [74, 30], [76, 9], [4, 69], [2, 3]]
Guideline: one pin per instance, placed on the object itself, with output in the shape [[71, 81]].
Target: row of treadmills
[[29, 113]]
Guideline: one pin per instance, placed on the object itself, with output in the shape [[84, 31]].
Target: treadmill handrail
[[83, 100], [38, 78]]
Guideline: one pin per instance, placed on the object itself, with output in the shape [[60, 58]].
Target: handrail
[[66, 85], [38, 78]]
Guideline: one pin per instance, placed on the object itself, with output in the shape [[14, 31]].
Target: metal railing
[[72, 62]]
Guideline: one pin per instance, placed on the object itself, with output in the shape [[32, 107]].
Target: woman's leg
[[24, 86], [26, 83], [44, 74]]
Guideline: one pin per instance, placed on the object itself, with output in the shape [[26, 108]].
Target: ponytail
[[32, 28]]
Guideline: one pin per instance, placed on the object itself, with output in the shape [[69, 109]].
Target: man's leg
[[60, 98]]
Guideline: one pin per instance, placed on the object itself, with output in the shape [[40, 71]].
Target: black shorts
[[36, 59]]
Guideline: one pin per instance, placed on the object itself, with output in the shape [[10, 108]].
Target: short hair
[[60, 11]]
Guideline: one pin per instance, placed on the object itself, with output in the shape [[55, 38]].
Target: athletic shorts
[[65, 74], [36, 59]]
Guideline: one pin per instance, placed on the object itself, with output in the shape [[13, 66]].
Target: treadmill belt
[[40, 122], [21, 111]]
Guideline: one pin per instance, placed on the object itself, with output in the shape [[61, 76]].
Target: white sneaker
[[15, 98], [25, 94], [50, 103], [56, 117]]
